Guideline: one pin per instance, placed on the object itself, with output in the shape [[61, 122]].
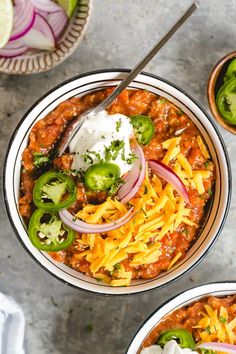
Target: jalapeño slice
[[231, 71], [183, 337], [48, 233], [143, 128], [226, 101], [101, 176], [54, 191]]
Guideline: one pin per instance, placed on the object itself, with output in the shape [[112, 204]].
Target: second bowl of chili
[[198, 320]]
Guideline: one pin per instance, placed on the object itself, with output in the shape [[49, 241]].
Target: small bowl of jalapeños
[[222, 92], [198, 321]]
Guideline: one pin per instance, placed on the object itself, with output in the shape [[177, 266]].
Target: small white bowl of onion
[[43, 35]]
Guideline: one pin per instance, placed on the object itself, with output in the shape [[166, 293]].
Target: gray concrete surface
[[61, 319]]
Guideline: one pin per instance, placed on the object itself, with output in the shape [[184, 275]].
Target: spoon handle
[[73, 128], [139, 67]]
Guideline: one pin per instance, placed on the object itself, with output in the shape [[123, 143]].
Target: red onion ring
[[40, 36], [170, 176], [135, 177], [13, 49], [130, 179], [46, 5], [85, 228], [23, 20], [219, 347], [44, 14], [57, 21]]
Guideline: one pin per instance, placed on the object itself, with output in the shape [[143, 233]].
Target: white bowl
[[84, 84], [181, 300], [36, 61]]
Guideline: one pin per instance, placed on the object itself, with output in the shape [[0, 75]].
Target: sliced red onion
[[135, 177], [23, 18], [46, 5], [13, 49], [170, 176], [57, 21], [83, 227], [130, 179], [218, 347], [40, 36], [44, 14]]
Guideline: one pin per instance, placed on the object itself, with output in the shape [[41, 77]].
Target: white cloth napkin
[[12, 326]]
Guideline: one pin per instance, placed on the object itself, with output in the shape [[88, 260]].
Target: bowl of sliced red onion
[[43, 35]]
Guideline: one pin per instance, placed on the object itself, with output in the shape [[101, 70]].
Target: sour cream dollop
[[171, 347], [97, 135]]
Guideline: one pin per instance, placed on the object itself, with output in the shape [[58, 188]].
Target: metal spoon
[[73, 128]]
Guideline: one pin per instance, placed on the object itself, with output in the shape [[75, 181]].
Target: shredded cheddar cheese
[[214, 326], [202, 147], [158, 210], [174, 260], [110, 210], [185, 164], [173, 149]]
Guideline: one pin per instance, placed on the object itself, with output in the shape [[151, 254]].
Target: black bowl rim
[[120, 70]]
